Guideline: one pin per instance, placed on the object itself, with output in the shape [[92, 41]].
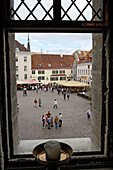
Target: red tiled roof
[[20, 46], [54, 59]]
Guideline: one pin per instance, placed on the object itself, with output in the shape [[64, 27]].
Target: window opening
[[54, 75]]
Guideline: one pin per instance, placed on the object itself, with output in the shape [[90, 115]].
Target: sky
[[56, 43]]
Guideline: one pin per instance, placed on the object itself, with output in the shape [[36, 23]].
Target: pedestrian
[[35, 101], [39, 101], [88, 114], [68, 96], [64, 95], [60, 120], [55, 104], [43, 120], [49, 122], [56, 122], [62, 90]]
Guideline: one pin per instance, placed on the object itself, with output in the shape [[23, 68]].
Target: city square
[[74, 112]]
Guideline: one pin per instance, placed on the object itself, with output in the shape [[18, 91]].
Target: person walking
[[64, 95], [55, 104], [68, 96], [60, 120], [56, 122], [49, 122], [35, 102], [43, 120], [39, 101], [88, 114]]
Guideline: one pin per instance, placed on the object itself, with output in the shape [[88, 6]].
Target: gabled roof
[[48, 61], [81, 55], [88, 58], [21, 47]]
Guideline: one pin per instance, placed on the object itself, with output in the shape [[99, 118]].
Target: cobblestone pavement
[[75, 122]]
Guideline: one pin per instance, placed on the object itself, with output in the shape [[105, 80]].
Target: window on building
[[25, 68], [62, 78], [16, 58], [41, 71], [25, 76], [62, 71], [16, 68], [86, 72], [39, 65], [54, 71], [25, 59], [88, 66], [41, 77], [54, 78], [49, 65], [33, 71], [17, 77], [71, 71]]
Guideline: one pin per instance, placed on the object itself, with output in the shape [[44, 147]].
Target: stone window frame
[[19, 26]]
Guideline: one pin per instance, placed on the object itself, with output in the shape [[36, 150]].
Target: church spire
[[28, 43]]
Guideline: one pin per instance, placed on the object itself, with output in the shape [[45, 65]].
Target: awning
[[72, 84], [28, 82]]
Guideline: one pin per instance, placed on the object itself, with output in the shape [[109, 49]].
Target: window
[[86, 72], [25, 76], [62, 78], [33, 71], [54, 78], [16, 58], [62, 71], [17, 77], [99, 25], [25, 68], [41, 71], [16, 68], [25, 59], [54, 71], [49, 65], [41, 77], [39, 65]]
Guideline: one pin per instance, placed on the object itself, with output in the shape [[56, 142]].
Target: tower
[[28, 43]]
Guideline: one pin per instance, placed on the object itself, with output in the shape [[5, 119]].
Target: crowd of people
[[50, 121]]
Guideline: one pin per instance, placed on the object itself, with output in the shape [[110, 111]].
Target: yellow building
[[51, 67]]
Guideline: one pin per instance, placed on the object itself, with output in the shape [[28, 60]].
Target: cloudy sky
[[65, 43]]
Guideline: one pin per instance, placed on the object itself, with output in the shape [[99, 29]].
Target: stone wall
[[13, 92], [97, 88]]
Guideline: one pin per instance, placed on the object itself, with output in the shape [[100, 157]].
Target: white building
[[23, 62], [84, 69]]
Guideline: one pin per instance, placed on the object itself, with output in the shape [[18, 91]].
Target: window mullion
[[57, 10]]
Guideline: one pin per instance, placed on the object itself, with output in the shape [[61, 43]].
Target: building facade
[[84, 69], [52, 67], [23, 62]]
